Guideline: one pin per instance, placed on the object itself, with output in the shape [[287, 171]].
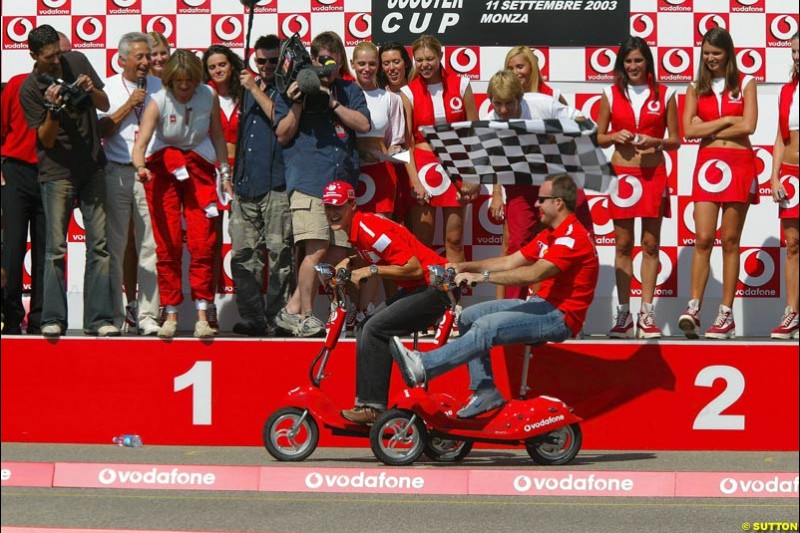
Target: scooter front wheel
[[557, 447], [398, 437], [291, 434], [446, 450]]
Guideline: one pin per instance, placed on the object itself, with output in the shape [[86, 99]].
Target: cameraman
[[317, 131], [71, 162]]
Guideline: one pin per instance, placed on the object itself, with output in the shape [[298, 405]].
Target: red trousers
[[168, 198]]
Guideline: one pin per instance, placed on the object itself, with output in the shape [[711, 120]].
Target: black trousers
[[22, 209], [404, 314]]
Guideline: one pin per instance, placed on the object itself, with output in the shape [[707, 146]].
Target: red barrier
[[633, 395]]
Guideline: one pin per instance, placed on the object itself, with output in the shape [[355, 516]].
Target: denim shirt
[[259, 165], [324, 149]]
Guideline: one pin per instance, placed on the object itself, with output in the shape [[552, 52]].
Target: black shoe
[[11, 331], [249, 329], [33, 330]]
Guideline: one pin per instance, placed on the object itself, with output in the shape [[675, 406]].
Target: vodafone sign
[[15, 32], [89, 31]]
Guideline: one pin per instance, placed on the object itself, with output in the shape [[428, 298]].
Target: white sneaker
[[148, 327], [109, 330], [51, 330]]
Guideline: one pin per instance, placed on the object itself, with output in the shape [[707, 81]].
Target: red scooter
[[292, 433], [546, 426]]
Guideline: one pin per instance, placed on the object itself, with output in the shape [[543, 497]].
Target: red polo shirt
[[570, 248], [17, 140], [380, 241]]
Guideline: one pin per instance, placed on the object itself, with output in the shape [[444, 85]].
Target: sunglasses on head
[[264, 60]]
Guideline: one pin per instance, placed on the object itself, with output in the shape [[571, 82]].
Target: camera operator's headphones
[[292, 58]]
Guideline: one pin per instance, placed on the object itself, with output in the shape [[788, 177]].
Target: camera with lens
[[73, 97], [294, 65]]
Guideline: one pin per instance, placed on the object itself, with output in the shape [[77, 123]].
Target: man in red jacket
[[22, 212]]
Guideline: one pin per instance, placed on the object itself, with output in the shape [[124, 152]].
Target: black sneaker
[[249, 329]]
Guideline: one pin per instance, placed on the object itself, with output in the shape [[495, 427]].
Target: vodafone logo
[[485, 108], [758, 273], [666, 279], [27, 265], [751, 61], [626, 191], [112, 65], [434, 178], [366, 189], [194, 7], [266, 6], [464, 61], [164, 24], [456, 104], [485, 219], [654, 106], [226, 284], [88, 32], [676, 64], [359, 28], [706, 21], [53, 7], [227, 30], [325, 6], [124, 7], [601, 219], [747, 6], [589, 105], [790, 185], [77, 229], [780, 29], [643, 25], [602, 60], [687, 232], [294, 23], [362, 480], [676, 60], [715, 176], [675, 6], [16, 34], [763, 167]]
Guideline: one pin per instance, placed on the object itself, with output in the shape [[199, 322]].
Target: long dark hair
[[720, 38], [621, 77], [237, 65], [383, 81]]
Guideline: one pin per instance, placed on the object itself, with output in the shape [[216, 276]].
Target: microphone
[[327, 66], [141, 83], [308, 81]]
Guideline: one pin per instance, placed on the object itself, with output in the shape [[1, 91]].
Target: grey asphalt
[[357, 513]]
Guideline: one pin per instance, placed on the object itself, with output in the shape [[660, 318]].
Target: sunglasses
[[542, 199], [264, 60]]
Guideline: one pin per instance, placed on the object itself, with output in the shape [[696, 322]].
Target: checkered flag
[[521, 152]]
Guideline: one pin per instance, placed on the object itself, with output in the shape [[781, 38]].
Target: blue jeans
[[58, 197], [495, 323]]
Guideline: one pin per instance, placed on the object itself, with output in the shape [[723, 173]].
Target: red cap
[[338, 193]]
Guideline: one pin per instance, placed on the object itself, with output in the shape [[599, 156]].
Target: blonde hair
[[428, 41], [366, 46], [504, 85], [182, 63], [530, 57], [157, 38]]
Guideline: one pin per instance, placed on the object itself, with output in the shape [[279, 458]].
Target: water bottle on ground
[[131, 441]]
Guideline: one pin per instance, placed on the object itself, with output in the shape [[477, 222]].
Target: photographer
[[60, 99], [317, 129]]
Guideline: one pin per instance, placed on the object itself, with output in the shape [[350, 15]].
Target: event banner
[[503, 22]]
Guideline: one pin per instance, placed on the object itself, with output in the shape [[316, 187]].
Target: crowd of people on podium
[[155, 155]]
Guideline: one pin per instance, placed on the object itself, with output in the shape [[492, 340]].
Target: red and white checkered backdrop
[[760, 28]]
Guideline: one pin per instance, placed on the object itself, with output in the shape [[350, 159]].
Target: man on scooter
[[387, 249], [561, 259]]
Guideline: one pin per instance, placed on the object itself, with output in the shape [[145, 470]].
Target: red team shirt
[[570, 248], [380, 241]]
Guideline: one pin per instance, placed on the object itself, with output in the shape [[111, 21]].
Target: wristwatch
[[373, 270], [486, 276]]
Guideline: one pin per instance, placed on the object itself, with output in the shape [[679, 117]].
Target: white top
[[387, 119], [119, 146], [794, 112], [637, 95], [185, 126], [227, 104], [437, 92], [541, 106]]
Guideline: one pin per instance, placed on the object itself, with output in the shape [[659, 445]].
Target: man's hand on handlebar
[[458, 267], [360, 274], [344, 263], [468, 278]]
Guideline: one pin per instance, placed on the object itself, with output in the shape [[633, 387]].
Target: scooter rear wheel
[[285, 439], [398, 437], [558, 447], [446, 450]]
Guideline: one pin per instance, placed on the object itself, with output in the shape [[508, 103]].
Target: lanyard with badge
[[141, 83]]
